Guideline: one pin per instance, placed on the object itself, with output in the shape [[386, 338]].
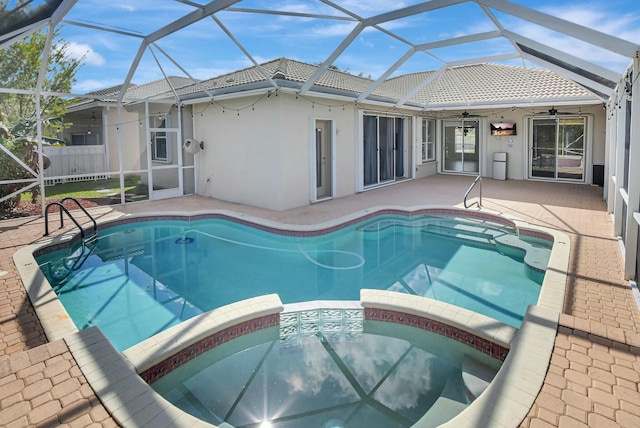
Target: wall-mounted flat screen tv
[[503, 128]]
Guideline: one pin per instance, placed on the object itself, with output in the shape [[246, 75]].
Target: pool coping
[[508, 398]]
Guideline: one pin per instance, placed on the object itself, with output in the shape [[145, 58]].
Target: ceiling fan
[[553, 112], [466, 115]]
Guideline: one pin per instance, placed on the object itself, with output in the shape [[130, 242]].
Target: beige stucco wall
[[261, 157], [105, 125], [129, 127]]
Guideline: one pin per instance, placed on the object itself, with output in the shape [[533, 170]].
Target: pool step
[[466, 232], [450, 403], [535, 258], [61, 271], [436, 221], [476, 377]]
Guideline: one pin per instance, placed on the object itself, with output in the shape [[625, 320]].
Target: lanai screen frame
[[601, 81]]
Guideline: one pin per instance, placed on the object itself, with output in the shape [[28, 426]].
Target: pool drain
[[185, 240]]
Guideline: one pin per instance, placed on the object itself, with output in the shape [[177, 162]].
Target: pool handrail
[[63, 208], [466, 195]]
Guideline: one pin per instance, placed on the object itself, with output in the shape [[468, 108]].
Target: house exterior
[[268, 144], [274, 148]]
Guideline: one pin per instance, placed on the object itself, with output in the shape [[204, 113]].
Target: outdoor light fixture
[[192, 146], [553, 111]]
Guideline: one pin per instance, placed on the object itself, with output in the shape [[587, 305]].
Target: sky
[[211, 47]]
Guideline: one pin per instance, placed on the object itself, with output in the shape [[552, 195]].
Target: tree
[[20, 65], [23, 148], [19, 68]]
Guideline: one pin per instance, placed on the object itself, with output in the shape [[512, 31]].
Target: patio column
[[121, 151], [633, 180], [609, 191], [38, 93], [618, 173]]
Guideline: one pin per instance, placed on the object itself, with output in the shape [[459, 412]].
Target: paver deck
[[593, 377]]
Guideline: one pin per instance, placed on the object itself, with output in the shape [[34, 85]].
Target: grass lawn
[[93, 189]]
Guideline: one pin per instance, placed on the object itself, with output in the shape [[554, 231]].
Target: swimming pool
[[142, 277], [330, 368]]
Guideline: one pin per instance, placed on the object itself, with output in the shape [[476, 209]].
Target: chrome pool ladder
[[466, 195], [84, 238]]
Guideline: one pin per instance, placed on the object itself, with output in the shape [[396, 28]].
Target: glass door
[[323, 159], [164, 156], [557, 149], [461, 151], [543, 148], [383, 144]]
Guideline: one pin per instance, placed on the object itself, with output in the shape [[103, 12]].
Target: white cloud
[[89, 85], [126, 7], [372, 7], [338, 29], [597, 17], [591, 16], [84, 52]]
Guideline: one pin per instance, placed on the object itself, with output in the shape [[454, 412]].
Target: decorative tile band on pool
[[335, 324], [301, 233], [189, 353], [485, 346]]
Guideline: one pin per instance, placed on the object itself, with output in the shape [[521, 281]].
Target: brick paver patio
[[593, 377]]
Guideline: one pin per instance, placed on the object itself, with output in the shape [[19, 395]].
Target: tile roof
[[110, 91], [158, 89], [471, 85], [488, 84], [457, 86]]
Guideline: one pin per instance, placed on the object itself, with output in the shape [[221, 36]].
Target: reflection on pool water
[[140, 278], [350, 374]]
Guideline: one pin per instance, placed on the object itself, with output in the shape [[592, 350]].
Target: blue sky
[[205, 51]]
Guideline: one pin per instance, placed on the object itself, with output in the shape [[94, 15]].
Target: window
[[428, 140], [92, 139], [159, 139]]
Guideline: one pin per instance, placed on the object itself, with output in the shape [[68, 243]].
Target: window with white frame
[[159, 141], [428, 140]]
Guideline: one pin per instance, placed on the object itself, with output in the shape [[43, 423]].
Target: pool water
[[141, 278], [383, 376]]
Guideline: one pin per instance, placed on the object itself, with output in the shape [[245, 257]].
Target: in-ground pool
[[329, 369], [142, 277]]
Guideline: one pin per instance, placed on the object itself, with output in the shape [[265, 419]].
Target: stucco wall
[[240, 156], [130, 144], [261, 156], [517, 149]]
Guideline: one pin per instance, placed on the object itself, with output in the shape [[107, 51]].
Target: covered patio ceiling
[[257, 31]]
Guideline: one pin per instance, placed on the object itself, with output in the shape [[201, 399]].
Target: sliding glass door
[[557, 148], [461, 151], [383, 155]]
